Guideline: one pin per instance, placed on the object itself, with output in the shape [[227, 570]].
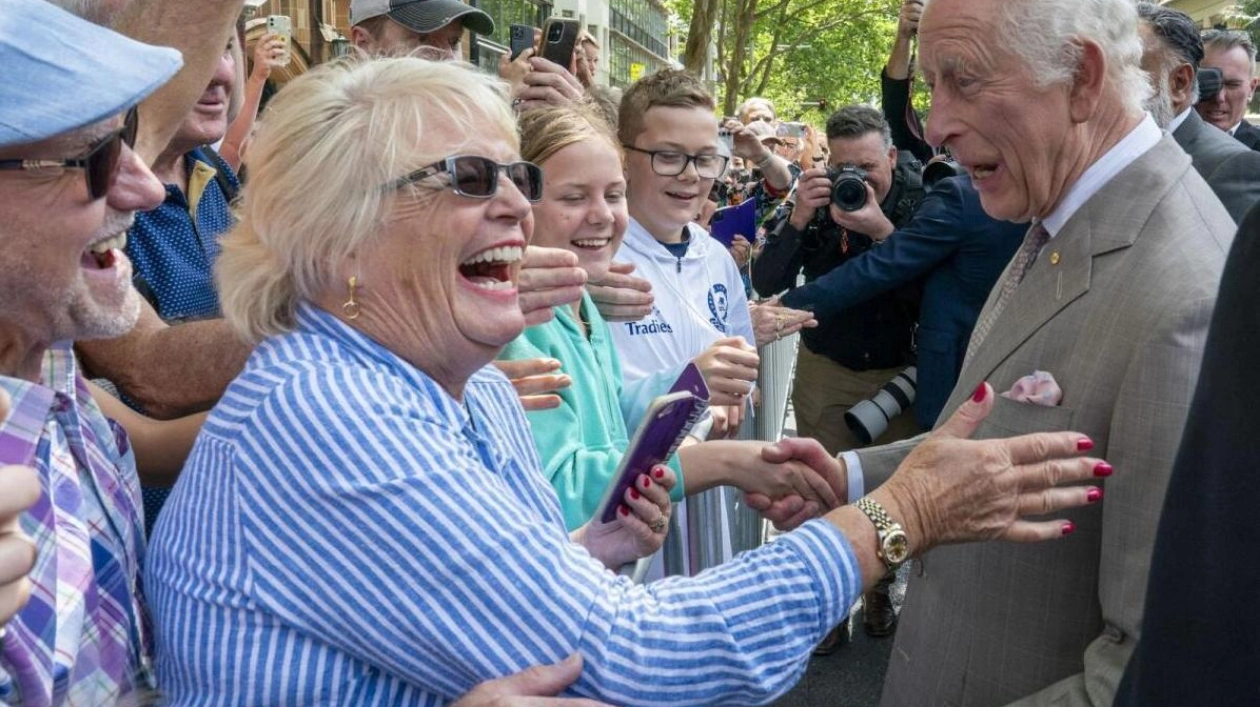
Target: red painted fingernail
[[1103, 469], [1093, 495], [1069, 527], [624, 511], [647, 482], [1084, 444], [634, 495], [659, 472], [978, 396]]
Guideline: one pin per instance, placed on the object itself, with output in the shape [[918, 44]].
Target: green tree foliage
[[791, 51]]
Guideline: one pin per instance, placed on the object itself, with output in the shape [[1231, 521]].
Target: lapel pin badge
[[1055, 258]]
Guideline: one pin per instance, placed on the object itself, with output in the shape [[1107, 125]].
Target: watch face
[[896, 547]]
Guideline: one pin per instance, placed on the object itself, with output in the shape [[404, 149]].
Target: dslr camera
[[869, 419], [848, 187]]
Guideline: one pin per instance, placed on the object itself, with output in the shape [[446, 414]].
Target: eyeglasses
[[478, 177], [100, 164], [668, 163]]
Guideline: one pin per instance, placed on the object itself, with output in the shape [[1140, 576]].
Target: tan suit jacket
[[1117, 307]]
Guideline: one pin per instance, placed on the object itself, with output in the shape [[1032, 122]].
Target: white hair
[[327, 147], [1047, 35]]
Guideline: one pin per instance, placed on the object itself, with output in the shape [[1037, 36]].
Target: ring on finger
[[658, 525]]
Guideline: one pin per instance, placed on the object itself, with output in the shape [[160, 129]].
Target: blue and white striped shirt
[[346, 533]]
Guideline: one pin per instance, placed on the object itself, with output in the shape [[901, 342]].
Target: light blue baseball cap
[[62, 73]]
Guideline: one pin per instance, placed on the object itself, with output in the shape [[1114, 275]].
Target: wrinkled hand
[[789, 512], [772, 321], [549, 278], [269, 53], [621, 297], [729, 367], [908, 19], [741, 251], [813, 192], [533, 687], [547, 84], [641, 524], [19, 490], [951, 489], [535, 381], [868, 220]]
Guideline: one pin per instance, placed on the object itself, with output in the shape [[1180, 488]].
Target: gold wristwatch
[[894, 546]]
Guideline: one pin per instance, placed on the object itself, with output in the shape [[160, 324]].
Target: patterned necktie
[[1035, 239]]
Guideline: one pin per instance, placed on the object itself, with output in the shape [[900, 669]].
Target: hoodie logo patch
[[653, 324], [718, 305]]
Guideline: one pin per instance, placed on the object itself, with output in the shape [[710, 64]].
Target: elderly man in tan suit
[[1112, 292]]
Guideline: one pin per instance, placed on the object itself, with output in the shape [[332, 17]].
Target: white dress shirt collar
[[1181, 118], [1132, 146]]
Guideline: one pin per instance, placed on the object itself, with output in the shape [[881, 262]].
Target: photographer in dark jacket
[[854, 352]]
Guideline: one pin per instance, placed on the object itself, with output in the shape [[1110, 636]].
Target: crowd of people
[[318, 403]]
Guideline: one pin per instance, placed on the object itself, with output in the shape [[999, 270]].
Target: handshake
[[949, 489]]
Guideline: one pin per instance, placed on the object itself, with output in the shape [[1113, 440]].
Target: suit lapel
[[1110, 220]]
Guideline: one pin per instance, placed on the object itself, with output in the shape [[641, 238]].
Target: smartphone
[[559, 40], [796, 130], [724, 136], [691, 380], [521, 37], [668, 420], [283, 26], [731, 221]]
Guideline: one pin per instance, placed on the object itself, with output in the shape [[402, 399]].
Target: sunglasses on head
[[478, 177], [99, 163]]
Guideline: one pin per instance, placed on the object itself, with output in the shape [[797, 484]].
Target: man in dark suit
[[961, 249], [1171, 54], [1205, 653], [1233, 52]]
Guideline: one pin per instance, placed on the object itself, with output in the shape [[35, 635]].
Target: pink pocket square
[[1038, 389]]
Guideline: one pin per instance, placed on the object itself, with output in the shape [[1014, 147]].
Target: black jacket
[[876, 334]]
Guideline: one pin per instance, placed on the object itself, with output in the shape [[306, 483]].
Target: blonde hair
[[545, 132], [673, 88], [326, 149]]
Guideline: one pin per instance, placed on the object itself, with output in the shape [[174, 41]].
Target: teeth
[[491, 284], [981, 172], [101, 247], [592, 243], [507, 254]]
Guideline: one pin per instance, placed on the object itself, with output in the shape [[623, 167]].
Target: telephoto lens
[[869, 418], [848, 188]]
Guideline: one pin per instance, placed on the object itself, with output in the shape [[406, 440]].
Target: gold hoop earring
[[351, 308]]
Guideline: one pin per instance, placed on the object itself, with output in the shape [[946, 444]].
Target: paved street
[[852, 676]]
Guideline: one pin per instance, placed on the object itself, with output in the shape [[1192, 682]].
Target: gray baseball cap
[[422, 16], [63, 73]]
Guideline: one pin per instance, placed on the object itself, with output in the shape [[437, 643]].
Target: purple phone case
[[668, 420], [731, 221]]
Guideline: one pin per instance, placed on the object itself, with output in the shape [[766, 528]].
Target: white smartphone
[[283, 26]]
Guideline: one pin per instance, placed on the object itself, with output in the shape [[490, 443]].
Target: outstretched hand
[[549, 278], [952, 489], [789, 512], [535, 381], [19, 490]]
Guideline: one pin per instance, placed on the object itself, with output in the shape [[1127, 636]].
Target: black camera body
[[941, 169], [848, 187]]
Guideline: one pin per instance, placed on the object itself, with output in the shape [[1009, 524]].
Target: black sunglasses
[[478, 177], [100, 163]]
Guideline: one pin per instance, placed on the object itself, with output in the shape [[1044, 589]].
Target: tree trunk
[[696, 53]]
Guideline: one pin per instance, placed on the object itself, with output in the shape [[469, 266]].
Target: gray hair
[[1226, 39], [1047, 33], [1179, 41]]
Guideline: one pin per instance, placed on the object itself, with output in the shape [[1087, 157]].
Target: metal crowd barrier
[[718, 524]]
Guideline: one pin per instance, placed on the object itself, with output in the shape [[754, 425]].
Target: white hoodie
[[699, 299]]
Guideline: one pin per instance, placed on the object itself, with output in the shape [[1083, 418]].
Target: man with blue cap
[[69, 186]]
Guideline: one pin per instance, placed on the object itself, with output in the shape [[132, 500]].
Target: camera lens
[[555, 33], [849, 192]]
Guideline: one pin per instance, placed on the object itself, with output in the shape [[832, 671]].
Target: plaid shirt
[[80, 638]]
